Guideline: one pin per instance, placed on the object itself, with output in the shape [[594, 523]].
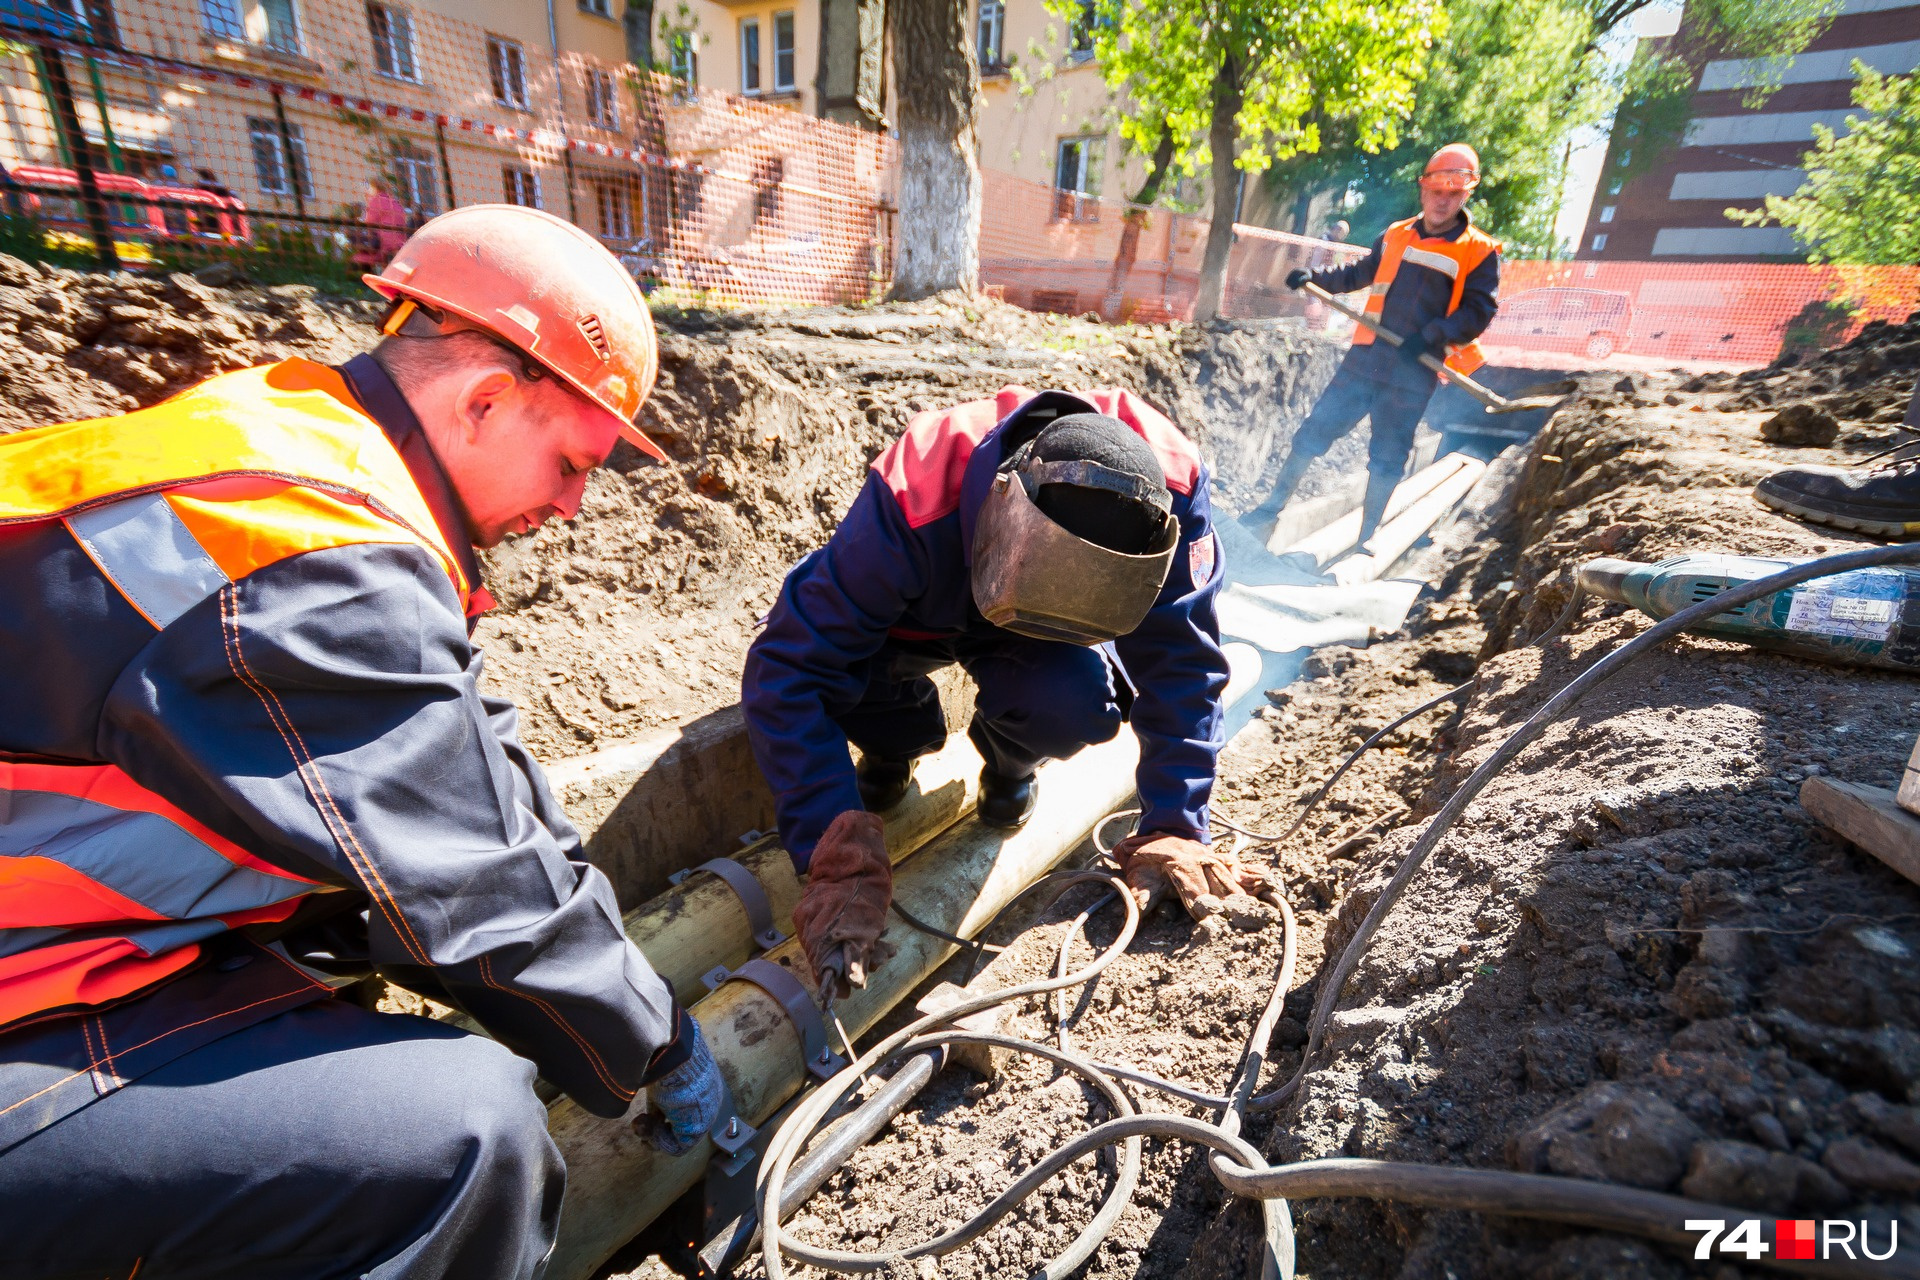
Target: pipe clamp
[[752, 894], [805, 1015]]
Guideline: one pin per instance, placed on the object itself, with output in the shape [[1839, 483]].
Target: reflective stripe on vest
[[106, 888], [1455, 259]]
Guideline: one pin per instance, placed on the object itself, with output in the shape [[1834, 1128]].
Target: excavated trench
[[1637, 960]]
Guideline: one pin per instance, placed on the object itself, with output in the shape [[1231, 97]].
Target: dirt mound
[[1637, 959], [638, 613]]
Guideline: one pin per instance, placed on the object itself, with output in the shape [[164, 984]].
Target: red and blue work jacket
[[900, 563], [239, 685]]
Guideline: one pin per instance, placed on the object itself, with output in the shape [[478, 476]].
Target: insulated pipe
[[617, 1182], [699, 924]]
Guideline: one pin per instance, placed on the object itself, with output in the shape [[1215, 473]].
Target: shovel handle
[[1488, 398]]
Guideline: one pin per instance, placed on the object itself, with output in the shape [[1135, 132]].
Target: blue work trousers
[[1038, 700], [324, 1142]]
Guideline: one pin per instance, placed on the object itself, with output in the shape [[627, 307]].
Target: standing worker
[[243, 747], [1056, 546], [1432, 280]]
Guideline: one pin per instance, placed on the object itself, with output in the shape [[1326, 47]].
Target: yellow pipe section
[[617, 1182]]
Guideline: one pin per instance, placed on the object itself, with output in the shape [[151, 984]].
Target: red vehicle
[[1594, 322], [135, 208]]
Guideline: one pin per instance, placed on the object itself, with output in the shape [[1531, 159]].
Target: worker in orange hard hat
[[245, 759], [1433, 279]]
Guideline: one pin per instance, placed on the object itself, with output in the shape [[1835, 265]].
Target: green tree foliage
[[1519, 78], [1245, 83], [1861, 200]]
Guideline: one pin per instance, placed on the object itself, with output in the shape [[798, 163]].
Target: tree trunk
[[1223, 137], [939, 103], [1136, 219], [636, 22]]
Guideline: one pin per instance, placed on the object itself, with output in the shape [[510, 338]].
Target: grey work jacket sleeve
[[326, 712]]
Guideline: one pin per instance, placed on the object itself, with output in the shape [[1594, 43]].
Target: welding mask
[[1034, 577]]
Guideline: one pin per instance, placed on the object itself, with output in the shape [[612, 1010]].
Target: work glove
[[1297, 277], [1434, 334], [687, 1100], [1153, 861], [1411, 349], [844, 909]]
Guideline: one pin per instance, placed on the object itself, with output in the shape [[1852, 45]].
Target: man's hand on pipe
[[844, 907], [1153, 861], [687, 1100]]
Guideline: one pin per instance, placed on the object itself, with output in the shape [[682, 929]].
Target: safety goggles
[[1450, 180]]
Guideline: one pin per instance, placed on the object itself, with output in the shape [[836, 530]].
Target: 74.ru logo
[[1793, 1239]]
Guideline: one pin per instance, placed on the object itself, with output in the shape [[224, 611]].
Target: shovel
[[1543, 396]]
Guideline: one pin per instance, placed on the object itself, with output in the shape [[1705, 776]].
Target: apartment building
[[1733, 155]]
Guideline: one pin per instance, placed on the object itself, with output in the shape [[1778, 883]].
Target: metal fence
[[171, 133]]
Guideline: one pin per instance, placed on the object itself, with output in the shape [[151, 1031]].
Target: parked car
[[136, 208], [1594, 322]]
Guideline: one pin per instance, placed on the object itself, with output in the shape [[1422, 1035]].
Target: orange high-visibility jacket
[[1454, 259], [239, 679]]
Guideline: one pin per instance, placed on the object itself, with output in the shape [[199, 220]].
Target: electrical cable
[[1236, 1164]]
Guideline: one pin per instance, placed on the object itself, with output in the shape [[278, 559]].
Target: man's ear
[[479, 399]]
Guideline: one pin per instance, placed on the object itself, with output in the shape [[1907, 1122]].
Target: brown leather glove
[[844, 907], [1153, 861]]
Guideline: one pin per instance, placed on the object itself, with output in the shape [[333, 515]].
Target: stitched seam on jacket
[[185, 1026], [316, 785], [599, 1067], [100, 1024]]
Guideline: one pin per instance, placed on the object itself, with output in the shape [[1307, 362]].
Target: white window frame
[[598, 8], [790, 82], [287, 41], [521, 185], [683, 58], [750, 82], [603, 99], [418, 177], [610, 195], [1599, 242], [397, 50], [1080, 33], [266, 141], [507, 71], [1607, 212], [989, 35], [1079, 199]]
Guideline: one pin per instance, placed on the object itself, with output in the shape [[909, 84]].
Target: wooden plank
[[1868, 816]]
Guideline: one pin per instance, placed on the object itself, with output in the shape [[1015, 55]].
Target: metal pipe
[[733, 1241]]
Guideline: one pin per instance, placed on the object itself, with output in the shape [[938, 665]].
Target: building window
[[783, 52], [683, 60], [222, 18], [750, 55], [392, 30], [1606, 213], [990, 33], [273, 168], [1599, 241], [1080, 35], [522, 185], [507, 65], [615, 207], [280, 28], [598, 8], [603, 107], [416, 183], [1076, 172]]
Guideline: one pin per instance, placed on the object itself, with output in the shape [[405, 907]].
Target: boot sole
[[1835, 520]]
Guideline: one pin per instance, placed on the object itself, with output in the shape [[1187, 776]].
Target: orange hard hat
[[542, 286], [1454, 167]]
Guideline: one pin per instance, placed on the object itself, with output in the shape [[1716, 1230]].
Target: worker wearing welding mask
[[1059, 548], [1432, 280]]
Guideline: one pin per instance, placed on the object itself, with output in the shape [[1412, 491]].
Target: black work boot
[[1883, 500], [1007, 802], [883, 783]]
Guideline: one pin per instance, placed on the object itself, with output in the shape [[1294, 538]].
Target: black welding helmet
[[1076, 535]]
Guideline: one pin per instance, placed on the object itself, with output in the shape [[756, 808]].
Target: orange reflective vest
[[106, 887], [1454, 259]]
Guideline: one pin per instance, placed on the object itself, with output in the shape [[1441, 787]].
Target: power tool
[[1865, 618]]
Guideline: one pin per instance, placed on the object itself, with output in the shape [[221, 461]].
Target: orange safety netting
[[172, 132]]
